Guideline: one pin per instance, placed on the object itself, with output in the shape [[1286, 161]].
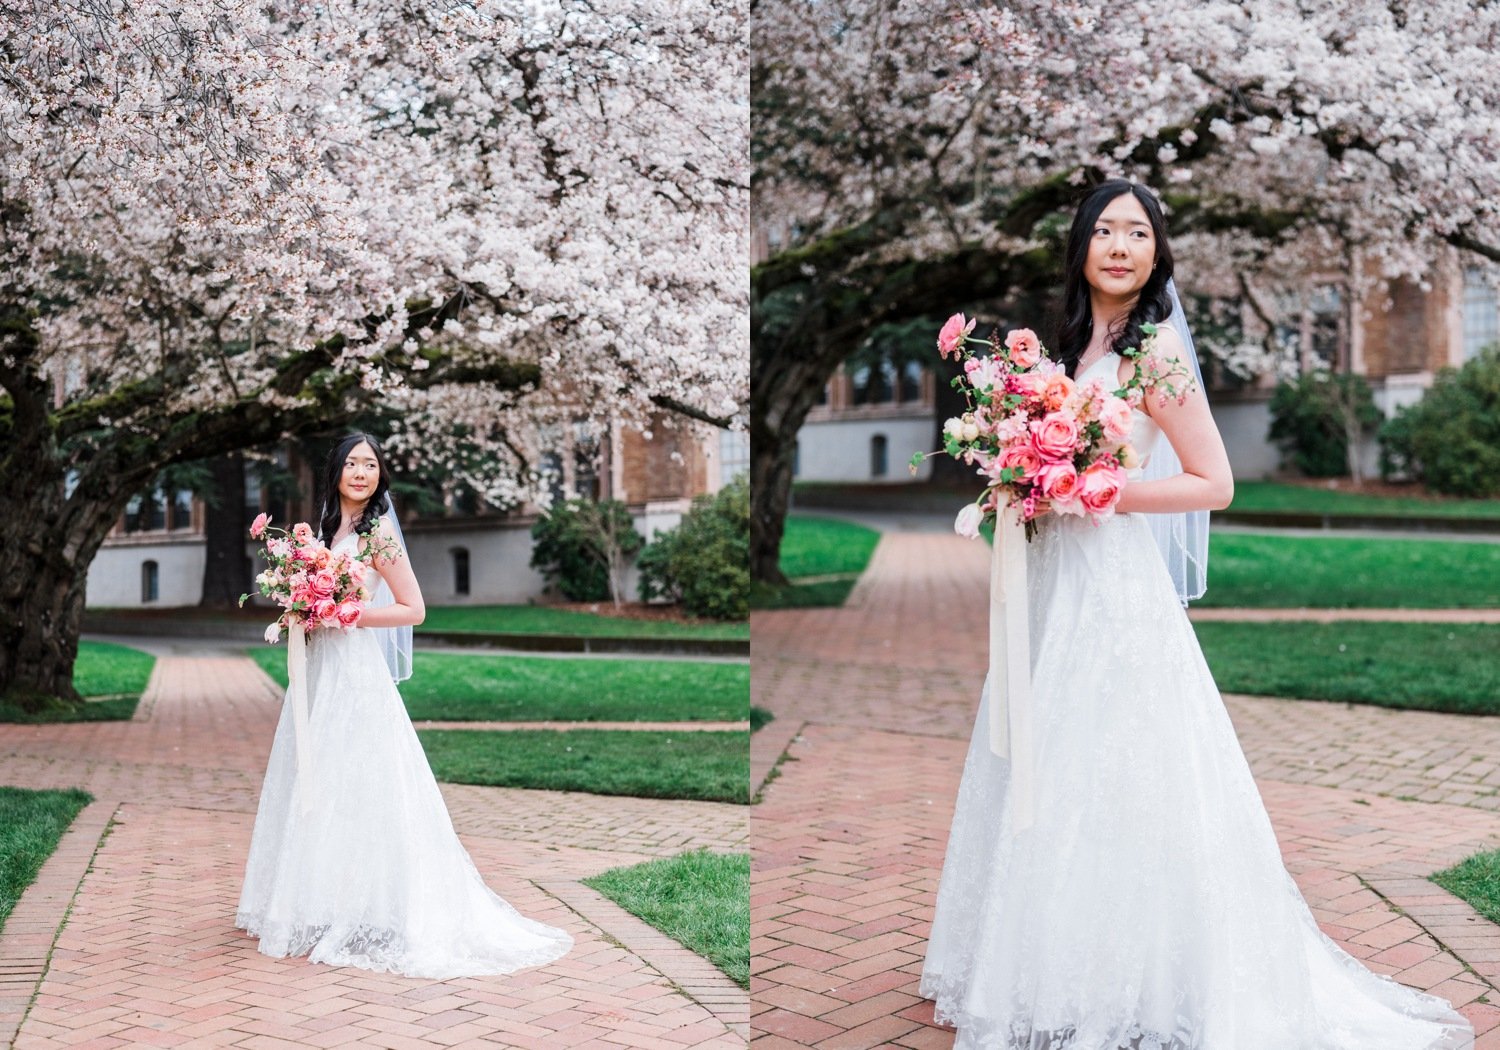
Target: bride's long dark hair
[[379, 501], [1152, 306]]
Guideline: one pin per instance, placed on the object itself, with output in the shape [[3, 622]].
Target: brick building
[[467, 554]]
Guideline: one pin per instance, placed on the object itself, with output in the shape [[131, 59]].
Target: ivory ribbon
[[296, 674], [1010, 663]]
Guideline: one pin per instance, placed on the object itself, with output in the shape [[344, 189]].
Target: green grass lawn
[[1274, 495], [710, 766], [459, 687], [1429, 667], [115, 672], [817, 547], [1476, 880], [537, 619], [701, 900], [31, 824], [824, 546], [1339, 572]]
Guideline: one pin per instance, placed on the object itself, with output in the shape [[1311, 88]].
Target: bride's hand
[[1042, 506]]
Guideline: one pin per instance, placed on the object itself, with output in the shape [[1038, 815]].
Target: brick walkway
[[149, 876], [874, 704]]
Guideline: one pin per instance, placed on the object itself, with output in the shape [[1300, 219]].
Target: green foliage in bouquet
[[1451, 438], [580, 545], [705, 561], [1316, 418]]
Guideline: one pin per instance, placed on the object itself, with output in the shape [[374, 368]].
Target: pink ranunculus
[[258, 526], [951, 337], [1099, 488], [349, 613], [302, 532], [1055, 436], [1058, 389], [322, 583], [1117, 417], [325, 608], [1025, 349]]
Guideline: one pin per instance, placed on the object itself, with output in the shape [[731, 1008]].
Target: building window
[[182, 509], [911, 382], [878, 456], [1481, 313], [734, 454], [147, 512], [460, 570], [150, 582], [874, 385]]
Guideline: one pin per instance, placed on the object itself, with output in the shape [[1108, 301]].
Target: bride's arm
[[408, 609], [1206, 482]]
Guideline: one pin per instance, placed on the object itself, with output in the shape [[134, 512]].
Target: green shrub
[[1451, 438], [1311, 420], [582, 548], [705, 561]]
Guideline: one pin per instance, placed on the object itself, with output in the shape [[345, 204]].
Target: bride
[[354, 861], [1142, 904]]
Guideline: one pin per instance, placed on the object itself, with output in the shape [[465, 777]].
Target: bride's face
[[361, 473], [1122, 249]]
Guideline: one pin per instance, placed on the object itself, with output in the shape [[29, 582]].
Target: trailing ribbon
[[296, 675], [1010, 663]]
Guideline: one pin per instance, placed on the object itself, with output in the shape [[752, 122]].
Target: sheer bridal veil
[[1182, 538]]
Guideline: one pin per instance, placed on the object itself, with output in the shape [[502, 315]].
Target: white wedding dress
[[1147, 906], [372, 875]]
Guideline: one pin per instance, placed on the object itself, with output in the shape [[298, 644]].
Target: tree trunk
[[226, 575], [47, 542]]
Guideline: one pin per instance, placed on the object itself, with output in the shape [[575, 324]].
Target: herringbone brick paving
[[874, 704], [149, 955]]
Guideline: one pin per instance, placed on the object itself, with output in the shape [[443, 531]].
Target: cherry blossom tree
[[224, 223], [916, 158]]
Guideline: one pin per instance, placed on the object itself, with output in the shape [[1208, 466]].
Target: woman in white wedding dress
[[1145, 906], [365, 869]]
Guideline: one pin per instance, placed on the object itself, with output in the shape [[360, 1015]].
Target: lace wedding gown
[[373, 875], [1147, 906]]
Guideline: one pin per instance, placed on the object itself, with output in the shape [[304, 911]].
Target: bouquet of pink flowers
[[308, 581], [1036, 434]]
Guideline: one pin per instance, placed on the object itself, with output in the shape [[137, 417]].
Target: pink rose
[[302, 532], [1059, 483], [1023, 457], [1117, 417], [349, 613], [258, 526], [1099, 488], [1025, 349], [325, 608], [1055, 436], [951, 338], [322, 583]]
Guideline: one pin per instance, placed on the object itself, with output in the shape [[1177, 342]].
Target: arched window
[[150, 582], [460, 570], [878, 456]]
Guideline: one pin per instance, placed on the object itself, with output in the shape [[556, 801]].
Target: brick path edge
[[31, 930]]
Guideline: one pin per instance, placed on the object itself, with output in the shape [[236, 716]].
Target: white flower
[[970, 431], [967, 523], [273, 633]]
